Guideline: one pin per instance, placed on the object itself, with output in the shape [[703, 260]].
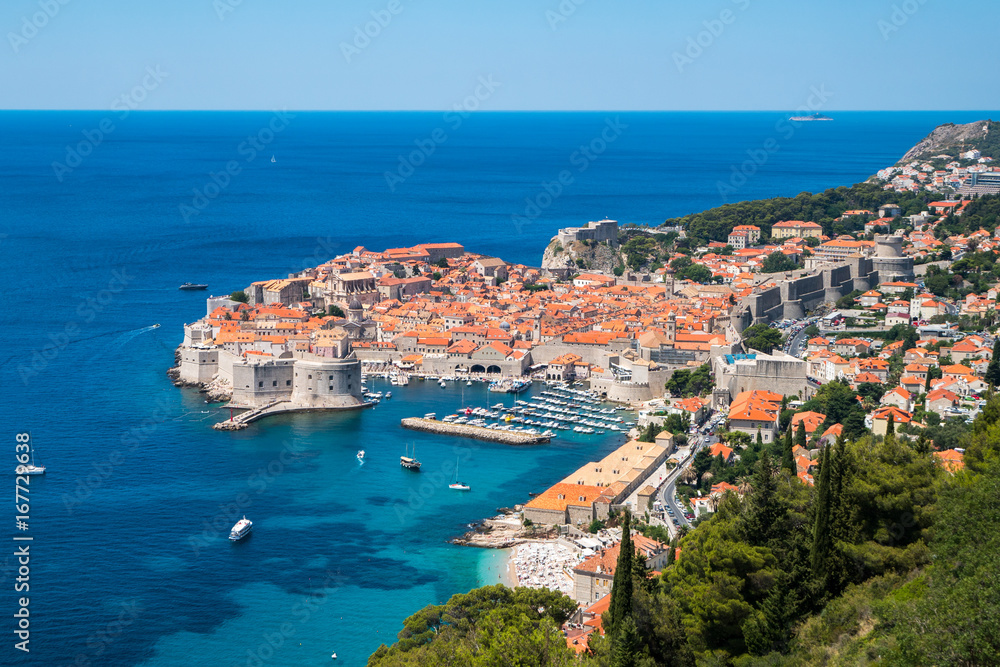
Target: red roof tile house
[[940, 401], [880, 419], [756, 411], [593, 577]]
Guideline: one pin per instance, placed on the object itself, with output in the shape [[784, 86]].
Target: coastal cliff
[[580, 256], [951, 139]]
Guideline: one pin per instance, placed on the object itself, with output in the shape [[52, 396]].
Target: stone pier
[[474, 432]]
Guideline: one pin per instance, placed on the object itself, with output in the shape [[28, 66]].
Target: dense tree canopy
[[762, 337]]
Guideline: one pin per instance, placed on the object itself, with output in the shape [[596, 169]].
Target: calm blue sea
[[103, 216]]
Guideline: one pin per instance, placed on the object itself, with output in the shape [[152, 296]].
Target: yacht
[[192, 287], [241, 529], [457, 485], [30, 468]]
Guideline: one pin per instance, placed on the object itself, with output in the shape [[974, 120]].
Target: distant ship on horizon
[[815, 116]]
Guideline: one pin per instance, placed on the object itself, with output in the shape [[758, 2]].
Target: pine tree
[[621, 586], [992, 376]]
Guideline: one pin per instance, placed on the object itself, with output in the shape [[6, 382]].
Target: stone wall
[[256, 385], [327, 382], [792, 298], [199, 366]]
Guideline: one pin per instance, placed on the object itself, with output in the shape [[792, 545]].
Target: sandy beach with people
[[544, 564]]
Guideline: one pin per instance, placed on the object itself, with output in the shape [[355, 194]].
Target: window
[[331, 377], [331, 387], [260, 384], [274, 383], [310, 376]]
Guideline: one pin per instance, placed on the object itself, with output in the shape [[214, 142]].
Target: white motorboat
[[361, 455], [241, 529]]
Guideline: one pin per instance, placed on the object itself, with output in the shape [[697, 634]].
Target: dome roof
[[355, 304], [505, 326]]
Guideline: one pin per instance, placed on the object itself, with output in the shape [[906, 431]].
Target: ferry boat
[[510, 385], [815, 116], [193, 287], [241, 529]]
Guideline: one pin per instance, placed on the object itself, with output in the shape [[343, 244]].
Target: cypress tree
[[787, 459], [821, 523], [890, 428], [626, 644], [760, 440], [621, 585], [992, 376], [927, 383], [800, 435]]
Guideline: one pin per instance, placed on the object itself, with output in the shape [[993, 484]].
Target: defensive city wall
[[791, 298]]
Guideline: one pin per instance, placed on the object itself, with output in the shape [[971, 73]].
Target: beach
[[544, 564]]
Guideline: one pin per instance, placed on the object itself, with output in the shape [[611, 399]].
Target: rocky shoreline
[[215, 391], [503, 532]]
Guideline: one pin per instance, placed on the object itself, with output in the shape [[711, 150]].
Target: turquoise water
[[121, 572]]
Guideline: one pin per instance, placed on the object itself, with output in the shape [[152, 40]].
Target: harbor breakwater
[[474, 432]]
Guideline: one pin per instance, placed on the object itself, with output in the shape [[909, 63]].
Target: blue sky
[[541, 54]]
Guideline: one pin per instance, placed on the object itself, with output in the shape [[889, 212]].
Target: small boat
[[241, 529], [388, 394], [409, 462], [30, 468], [334, 656], [469, 383], [190, 287], [361, 455], [457, 485], [272, 159]]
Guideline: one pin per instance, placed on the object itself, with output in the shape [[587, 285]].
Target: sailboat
[[409, 462], [457, 485], [30, 468]]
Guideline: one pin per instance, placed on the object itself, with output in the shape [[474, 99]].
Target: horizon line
[[498, 111]]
